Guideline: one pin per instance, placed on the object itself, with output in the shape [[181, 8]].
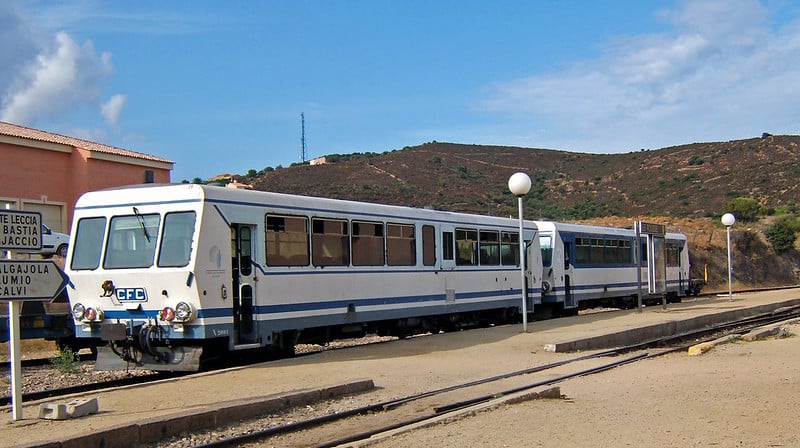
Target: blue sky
[[218, 87]]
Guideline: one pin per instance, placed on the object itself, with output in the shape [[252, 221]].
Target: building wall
[[50, 177]]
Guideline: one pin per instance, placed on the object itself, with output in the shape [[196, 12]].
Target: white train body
[[586, 265], [165, 272]]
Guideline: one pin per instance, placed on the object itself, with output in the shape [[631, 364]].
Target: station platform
[[143, 414]]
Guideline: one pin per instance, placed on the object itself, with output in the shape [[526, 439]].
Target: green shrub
[[66, 361], [782, 233], [745, 209]]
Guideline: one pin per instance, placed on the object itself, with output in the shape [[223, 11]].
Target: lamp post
[[520, 185], [727, 220]]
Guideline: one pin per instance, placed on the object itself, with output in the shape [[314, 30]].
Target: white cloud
[[112, 108], [721, 73], [59, 79]]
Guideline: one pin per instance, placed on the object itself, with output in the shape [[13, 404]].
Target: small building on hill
[[46, 172]]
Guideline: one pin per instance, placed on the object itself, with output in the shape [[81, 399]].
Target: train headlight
[[184, 312], [78, 311], [167, 314], [93, 315], [545, 287]]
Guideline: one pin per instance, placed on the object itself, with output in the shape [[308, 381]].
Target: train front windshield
[[133, 241]]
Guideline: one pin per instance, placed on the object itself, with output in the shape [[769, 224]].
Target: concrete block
[[699, 349], [53, 411], [157, 428], [122, 436], [761, 333], [82, 406], [72, 409]]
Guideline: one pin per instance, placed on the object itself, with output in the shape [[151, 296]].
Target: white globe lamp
[[727, 220], [520, 185]]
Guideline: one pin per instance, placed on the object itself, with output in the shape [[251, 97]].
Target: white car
[[53, 243]]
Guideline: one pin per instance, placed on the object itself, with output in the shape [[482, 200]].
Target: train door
[[447, 260], [533, 268], [569, 269], [244, 283]]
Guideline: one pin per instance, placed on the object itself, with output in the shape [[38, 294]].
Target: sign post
[[23, 280], [653, 250]]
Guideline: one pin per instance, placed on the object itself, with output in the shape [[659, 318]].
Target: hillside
[[694, 180], [684, 186]]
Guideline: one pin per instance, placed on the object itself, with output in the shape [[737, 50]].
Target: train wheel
[[545, 311], [283, 343]]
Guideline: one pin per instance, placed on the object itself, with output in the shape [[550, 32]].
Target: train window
[[428, 246], [88, 243], [582, 246], [610, 252], [400, 245], [489, 248], [287, 240], [448, 249], [596, 251], [176, 242], [367, 244], [243, 248], [673, 255], [466, 247], [624, 254], [329, 242], [509, 248], [546, 245], [132, 241]]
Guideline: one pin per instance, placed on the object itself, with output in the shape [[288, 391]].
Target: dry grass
[[30, 348]]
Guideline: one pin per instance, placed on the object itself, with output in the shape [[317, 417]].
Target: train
[[171, 275]]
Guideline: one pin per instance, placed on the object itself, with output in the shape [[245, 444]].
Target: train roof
[[154, 194], [552, 226]]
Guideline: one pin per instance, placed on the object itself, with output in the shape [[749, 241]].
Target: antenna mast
[[303, 137]]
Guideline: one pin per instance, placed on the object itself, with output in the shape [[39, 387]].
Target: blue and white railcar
[[165, 272], [586, 266]]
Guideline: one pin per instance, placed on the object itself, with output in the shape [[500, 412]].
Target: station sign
[[20, 230], [30, 279], [650, 228]]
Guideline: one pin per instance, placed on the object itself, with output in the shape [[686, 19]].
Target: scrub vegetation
[[687, 187]]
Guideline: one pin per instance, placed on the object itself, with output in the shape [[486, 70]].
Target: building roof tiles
[[14, 130]]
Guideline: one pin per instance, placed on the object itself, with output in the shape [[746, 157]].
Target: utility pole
[[303, 155]]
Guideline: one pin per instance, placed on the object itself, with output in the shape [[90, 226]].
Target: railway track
[[388, 417], [5, 366], [142, 379], [90, 387]]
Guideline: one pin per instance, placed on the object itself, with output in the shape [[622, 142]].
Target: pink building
[[46, 173]]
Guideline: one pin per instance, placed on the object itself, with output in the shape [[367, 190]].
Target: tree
[[782, 233], [745, 209]]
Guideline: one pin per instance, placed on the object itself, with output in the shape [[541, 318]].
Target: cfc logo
[[131, 295]]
